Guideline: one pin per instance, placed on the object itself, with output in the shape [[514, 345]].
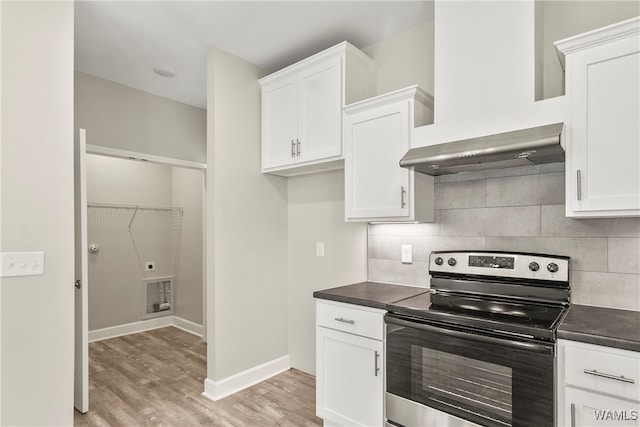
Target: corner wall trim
[[189, 326], [216, 390], [145, 325]]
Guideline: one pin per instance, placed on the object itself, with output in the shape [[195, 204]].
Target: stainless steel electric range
[[478, 349]]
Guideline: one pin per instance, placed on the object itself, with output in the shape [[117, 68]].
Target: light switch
[[22, 263], [320, 249], [407, 254]]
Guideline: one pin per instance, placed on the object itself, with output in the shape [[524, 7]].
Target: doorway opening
[[144, 230], [144, 247]]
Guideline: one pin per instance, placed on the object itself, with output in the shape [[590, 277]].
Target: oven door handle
[[545, 348]]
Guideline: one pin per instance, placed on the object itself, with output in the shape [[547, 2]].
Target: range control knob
[[552, 267], [534, 266], [452, 262], [439, 261]]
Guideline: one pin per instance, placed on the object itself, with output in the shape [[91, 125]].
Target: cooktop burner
[[437, 304], [543, 316], [537, 321], [513, 293]]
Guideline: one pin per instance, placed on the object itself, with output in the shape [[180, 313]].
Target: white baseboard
[[145, 325], [189, 326], [216, 390]]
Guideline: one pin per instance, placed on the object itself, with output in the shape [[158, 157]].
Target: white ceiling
[[123, 41]]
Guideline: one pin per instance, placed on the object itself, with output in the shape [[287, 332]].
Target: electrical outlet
[[319, 249], [150, 266], [407, 254]]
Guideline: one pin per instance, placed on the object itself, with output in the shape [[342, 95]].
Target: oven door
[[485, 379]]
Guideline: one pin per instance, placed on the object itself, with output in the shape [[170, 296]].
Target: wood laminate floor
[[156, 378]]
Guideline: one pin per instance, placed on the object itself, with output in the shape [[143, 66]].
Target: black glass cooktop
[[530, 319]]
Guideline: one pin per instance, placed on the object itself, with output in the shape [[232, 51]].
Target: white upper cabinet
[[603, 131], [279, 122], [302, 110], [378, 133]]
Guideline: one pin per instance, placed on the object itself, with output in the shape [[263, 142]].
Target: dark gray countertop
[[594, 325], [369, 294], [602, 326]]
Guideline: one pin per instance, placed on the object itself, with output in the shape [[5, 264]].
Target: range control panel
[[501, 264]]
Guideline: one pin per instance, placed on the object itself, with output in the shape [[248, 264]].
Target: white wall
[[316, 214], [127, 182], [403, 60], [484, 57], [120, 117], [187, 193], [1, 139], [246, 224], [37, 212], [563, 19], [492, 55]]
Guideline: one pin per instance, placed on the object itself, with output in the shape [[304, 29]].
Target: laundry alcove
[[144, 221]]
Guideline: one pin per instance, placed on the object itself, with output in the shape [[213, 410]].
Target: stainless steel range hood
[[525, 147]]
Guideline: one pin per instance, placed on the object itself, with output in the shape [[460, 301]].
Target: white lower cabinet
[[349, 366], [597, 386], [587, 409]]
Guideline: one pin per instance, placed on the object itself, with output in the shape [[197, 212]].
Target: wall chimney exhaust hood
[[533, 146]]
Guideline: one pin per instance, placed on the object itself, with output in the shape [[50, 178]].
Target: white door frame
[[143, 157], [81, 390], [81, 327]]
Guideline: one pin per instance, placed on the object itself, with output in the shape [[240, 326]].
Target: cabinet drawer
[[606, 370], [364, 321]]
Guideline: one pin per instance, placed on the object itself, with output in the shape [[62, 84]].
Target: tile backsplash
[[520, 209]]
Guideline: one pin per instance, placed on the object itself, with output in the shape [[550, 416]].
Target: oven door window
[[485, 380], [462, 382]]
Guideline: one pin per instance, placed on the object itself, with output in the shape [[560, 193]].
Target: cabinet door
[[603, 141], [375, 184], [320, 111], [350, 378], [589, 409], [279, 122]]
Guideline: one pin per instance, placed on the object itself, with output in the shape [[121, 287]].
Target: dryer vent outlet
[[150, 266]]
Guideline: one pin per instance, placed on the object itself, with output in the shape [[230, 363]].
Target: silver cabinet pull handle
[[293, 148], [298, 146], [402, 194], [609, 376], [376, 356], [343, 320], [579, 184], [573, 415]]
